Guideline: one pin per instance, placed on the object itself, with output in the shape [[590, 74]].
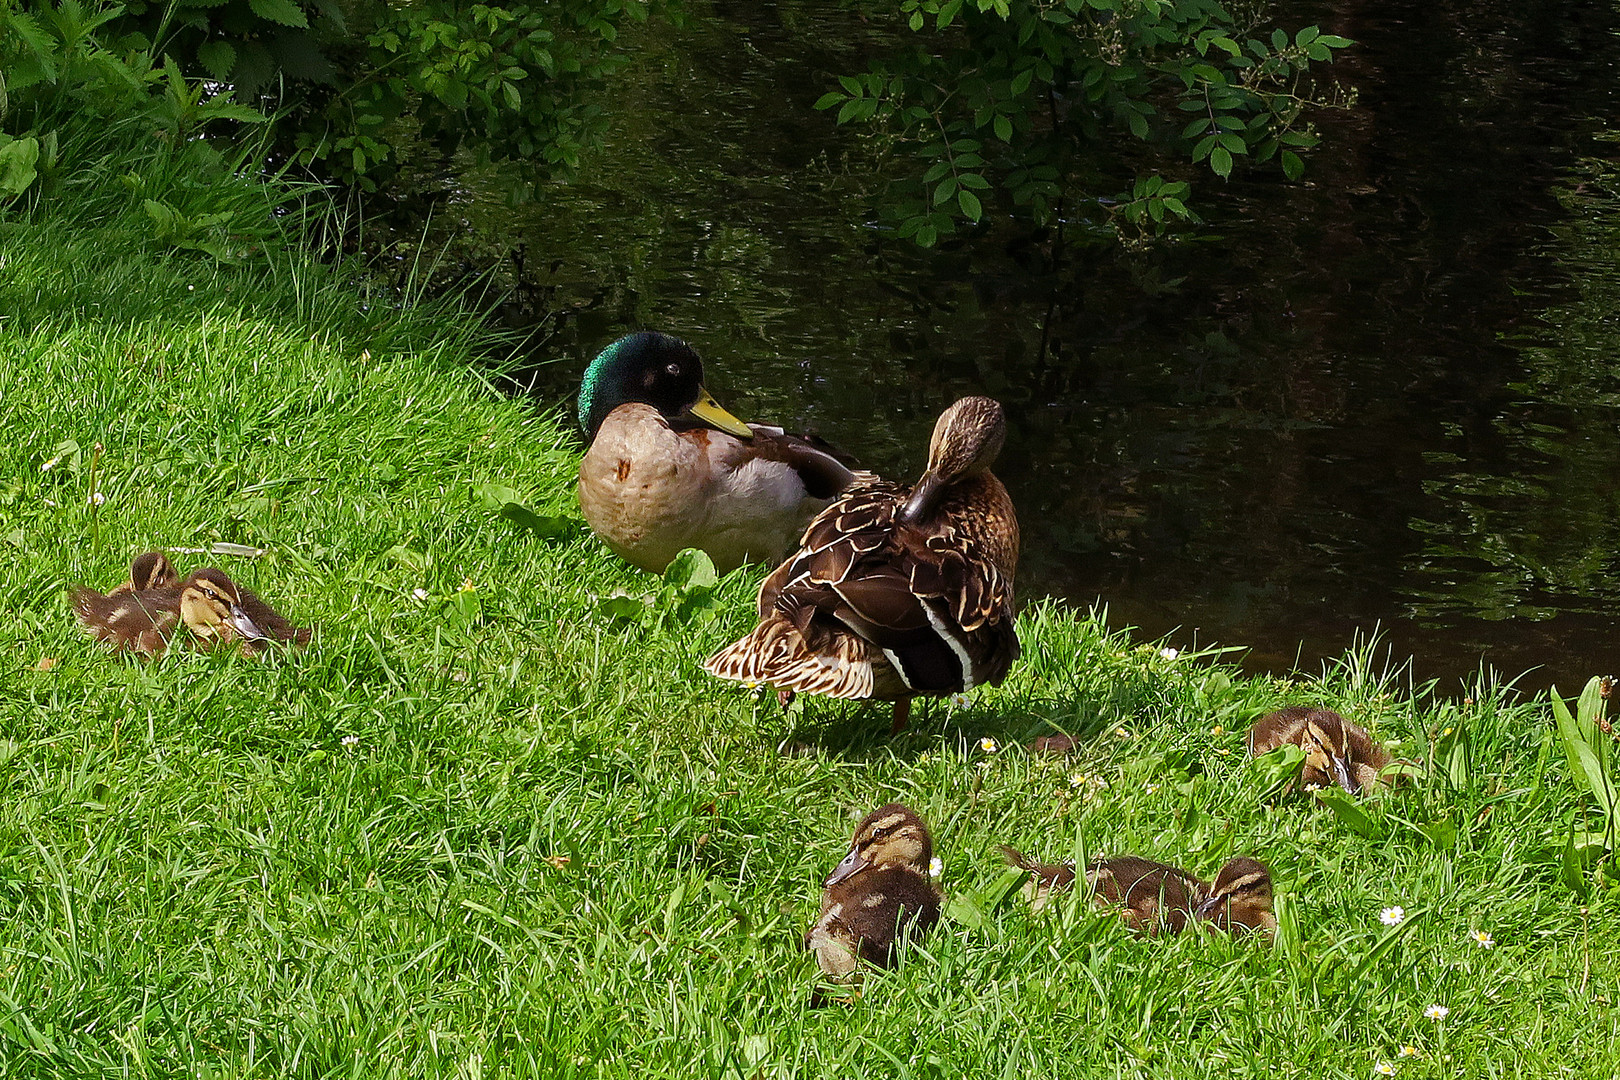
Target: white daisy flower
[[1436, 1012], [1392, 916]]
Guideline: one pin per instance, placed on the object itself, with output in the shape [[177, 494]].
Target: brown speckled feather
[[874, 605]]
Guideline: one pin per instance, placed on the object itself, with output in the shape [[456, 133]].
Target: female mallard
[[897, 591], [668, 468]]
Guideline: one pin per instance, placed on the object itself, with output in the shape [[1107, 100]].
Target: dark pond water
[[1386, 397]]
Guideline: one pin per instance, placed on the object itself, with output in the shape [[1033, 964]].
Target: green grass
[[199, 877]]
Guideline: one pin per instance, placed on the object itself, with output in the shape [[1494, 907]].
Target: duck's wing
[[869, 606], [823, 471]]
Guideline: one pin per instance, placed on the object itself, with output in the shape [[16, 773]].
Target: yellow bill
[[709, 411]]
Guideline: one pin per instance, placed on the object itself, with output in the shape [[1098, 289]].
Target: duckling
[[151, 570], [667, 468], [1336, 750], [212, 606], [877, 890], [1240, 900], [1151, 897], [897, 591]]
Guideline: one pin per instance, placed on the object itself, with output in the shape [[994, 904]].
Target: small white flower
[[1169, 654], [351, 740], [1077, 779], [989, 745], [936, 866], [1217, 731], [1436, 1012], [1153, 789], [98, 499], [1408, 1051], [420, 594], [1392, 916], [191, 288], [1483, 939], [1384, 1068], [958, 701]]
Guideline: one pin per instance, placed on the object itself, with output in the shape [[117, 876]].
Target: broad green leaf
[[690, 568], [285, 12], [1351, 813], [959, 908]]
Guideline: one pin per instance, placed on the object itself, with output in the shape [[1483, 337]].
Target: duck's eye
[[211, 594], [673, 369]]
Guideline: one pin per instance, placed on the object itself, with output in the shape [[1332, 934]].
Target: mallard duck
[[1336, 750], [1151, 897], [875, 893], [214, 608], [667, 468], [150, 570], [1240, 899], [897, 591]]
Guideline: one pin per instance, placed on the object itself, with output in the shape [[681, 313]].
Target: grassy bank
[[490, 824]]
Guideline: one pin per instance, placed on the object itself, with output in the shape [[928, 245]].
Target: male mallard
[[668, 468], [897, 591], [213, 607], [1336, 750], [1240, 899], [878, 890]]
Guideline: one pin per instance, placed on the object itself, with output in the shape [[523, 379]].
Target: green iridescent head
[[654, 369]]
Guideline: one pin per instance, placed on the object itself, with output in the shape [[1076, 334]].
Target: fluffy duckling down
[[877, 896]]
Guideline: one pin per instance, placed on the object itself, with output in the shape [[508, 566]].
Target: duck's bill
[[245, 625], [709, 411], [852, 862], [1341, 773]]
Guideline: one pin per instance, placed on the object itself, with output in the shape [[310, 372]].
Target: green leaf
[[1004, 129], [690, 568], [218, 57], [18, 160], [621, 607], [285, 12], [1293, 167], [1351, 813], [1278, 769], [1220, 160], [960, 909], [969, 203], [828, 100]]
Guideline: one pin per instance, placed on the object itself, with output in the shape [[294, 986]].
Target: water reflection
[[1384, 396]]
